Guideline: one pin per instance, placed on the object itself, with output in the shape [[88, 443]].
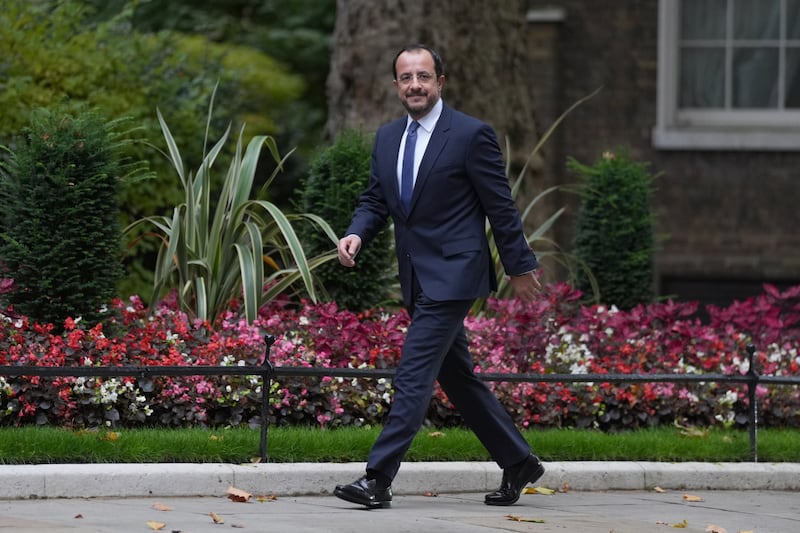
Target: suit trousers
[[436, 348]]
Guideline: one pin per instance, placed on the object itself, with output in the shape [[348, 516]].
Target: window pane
[[793, 77], [755, 77], [793, 19], [702, 82], [703, 19], [756, 19]]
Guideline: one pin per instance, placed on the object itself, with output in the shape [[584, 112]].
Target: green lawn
[[34, 445]]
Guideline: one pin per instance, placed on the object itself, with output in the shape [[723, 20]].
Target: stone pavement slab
[[571, 512]]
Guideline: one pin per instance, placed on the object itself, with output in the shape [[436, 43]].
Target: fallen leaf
[[267, 498], [746, 531], [691, 431], [692, 498], [214, 437], [111, 436], [538, 490], [78, 516], [515, 518], [681, 525], [238, 495], [161, 507], [565, 487], [711, 528], [430, 494], [659, 490], [435, 434], [216, 518], [255, 460], [156, 526]]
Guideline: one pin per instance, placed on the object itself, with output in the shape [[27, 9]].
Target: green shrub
[[336, 179], [61, 235], [614, 229], [55, 53]]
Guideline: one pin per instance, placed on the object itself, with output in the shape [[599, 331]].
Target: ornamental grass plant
[[234, 244]]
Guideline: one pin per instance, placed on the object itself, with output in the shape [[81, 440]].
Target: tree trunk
[[484, 46]]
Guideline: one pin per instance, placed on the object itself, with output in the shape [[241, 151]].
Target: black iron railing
[[267, 371]]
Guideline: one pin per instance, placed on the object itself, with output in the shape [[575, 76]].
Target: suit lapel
[[395, 135], [435, 146]]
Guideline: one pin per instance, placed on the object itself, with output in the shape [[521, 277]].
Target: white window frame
[[684, 129]]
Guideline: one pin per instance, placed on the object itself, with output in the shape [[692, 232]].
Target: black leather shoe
[[365, 492], [514, 480]]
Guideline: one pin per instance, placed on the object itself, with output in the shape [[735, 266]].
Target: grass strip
[[37, 445]]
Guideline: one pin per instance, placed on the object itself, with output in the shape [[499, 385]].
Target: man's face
[[417, 85]]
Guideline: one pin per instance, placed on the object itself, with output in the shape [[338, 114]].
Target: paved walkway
[[597, 497]]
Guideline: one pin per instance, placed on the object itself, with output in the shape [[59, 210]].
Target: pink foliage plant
[[554, 334]]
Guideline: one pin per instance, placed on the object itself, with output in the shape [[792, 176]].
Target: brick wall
[[729, 220]]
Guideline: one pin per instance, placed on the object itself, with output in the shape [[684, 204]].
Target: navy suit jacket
[[460, 184]]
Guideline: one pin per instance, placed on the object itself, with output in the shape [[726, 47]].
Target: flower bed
[[554, 334]]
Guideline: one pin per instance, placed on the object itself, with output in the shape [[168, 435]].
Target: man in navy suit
[[439, 174]]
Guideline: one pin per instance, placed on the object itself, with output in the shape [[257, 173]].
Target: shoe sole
[[369, 505], [539, 472]]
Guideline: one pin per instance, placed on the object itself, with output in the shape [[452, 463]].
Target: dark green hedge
[[61, 235], [336, 179], [614, 229]]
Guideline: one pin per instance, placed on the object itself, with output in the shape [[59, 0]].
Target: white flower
[[777, 354], [577, 368], [729, 398]]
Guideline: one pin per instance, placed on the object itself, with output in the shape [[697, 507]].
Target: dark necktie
[[407, 179]]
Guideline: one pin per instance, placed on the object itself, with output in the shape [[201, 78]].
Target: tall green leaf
[[213, 248]]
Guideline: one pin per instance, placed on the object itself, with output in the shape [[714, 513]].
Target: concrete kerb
[[284, 479]]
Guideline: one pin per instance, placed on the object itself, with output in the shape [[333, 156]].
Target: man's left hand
[[526, 286]]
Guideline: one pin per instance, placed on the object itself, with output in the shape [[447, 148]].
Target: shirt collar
[[428, 122]]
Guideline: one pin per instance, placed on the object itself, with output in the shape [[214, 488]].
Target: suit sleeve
[[486, 171], [371, 214]]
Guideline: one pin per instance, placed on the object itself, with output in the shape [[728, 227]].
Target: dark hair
[[437, 60]]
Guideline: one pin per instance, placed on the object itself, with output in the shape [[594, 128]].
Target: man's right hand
[[348, 249]]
